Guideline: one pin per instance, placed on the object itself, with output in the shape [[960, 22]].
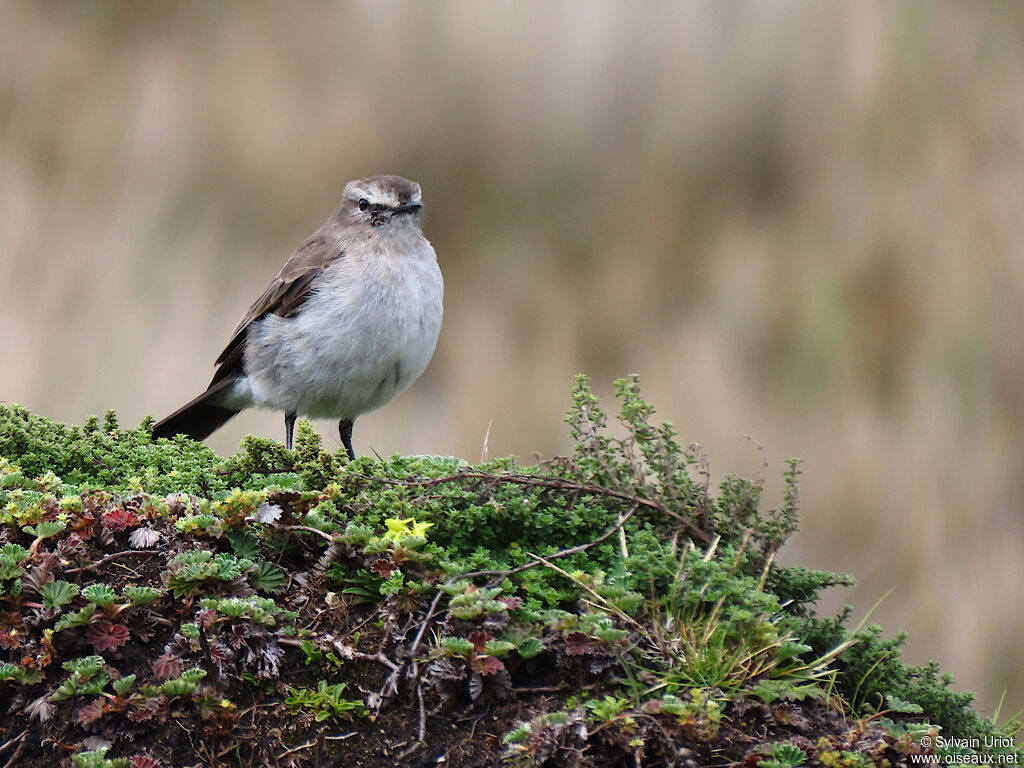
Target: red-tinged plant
[[486, 665], [93, 711], [82, 522], [167, 666], [146, 710], [106, 636], [383, 567], [12, 630], [119, 518], [579, 644]]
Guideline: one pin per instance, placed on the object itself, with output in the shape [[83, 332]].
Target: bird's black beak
[[410, 207]]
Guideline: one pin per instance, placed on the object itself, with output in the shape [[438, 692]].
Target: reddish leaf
[[511, 602], [487, 665], [82, 520], [10, 638], [143, 712], [74, 544], [383, 567], [239, 634], [105, 636], [93, 711], [118, 519], [479, 640], [217, 652], [144, 761], [167, 666], [141, 624], [578, 644]]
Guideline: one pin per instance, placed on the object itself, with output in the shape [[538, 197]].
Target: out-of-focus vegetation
[[798, 221]]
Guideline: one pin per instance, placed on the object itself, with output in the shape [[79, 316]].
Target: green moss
[[620, 557], [101, 455]]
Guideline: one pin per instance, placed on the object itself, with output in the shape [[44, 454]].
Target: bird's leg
[[289, 429], [345, 430]]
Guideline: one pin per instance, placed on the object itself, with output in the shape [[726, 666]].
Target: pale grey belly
[[328, 363]]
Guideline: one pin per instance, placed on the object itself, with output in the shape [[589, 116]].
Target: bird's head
[[382, 204]]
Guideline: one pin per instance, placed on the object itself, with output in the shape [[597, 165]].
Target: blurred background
[[797, 221]]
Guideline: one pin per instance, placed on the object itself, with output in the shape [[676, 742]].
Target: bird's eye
[[364, 204]]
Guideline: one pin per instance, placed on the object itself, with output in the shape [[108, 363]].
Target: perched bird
[[350, 321]]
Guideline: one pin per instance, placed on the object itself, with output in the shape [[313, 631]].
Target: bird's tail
[[198, 418]]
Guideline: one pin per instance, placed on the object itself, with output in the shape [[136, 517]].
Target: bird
[[350, 321]]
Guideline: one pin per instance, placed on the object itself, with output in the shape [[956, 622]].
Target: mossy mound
[[161, 606]]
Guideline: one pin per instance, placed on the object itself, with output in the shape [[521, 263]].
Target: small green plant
[[471, 603], [78, 618], [844, 759], [199, 569], [19, 674], [260, 610], [141, 595], [783, 756], [699, 714], [313, 655], [607, 708], [85, 678], [47, 530], [716, 627], [326, 701], [97, 758], [268, 577], [100, 595], [57, 594], [244, 544], [12, 558], [185, 685], [201, 523]]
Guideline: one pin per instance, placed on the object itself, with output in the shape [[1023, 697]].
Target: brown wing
[[285, 294]]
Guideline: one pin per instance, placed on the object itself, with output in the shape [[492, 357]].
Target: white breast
[[367, 332]]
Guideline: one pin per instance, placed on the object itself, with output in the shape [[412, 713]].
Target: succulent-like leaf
[[141, 595], [530, 648], [100, 594], [10, 568], [86, 666], [19, 674], [47, 529], [119, 518], [14, 552], [268, 577], [244, 544], [78, 618], [122, 686], [58, 593]]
